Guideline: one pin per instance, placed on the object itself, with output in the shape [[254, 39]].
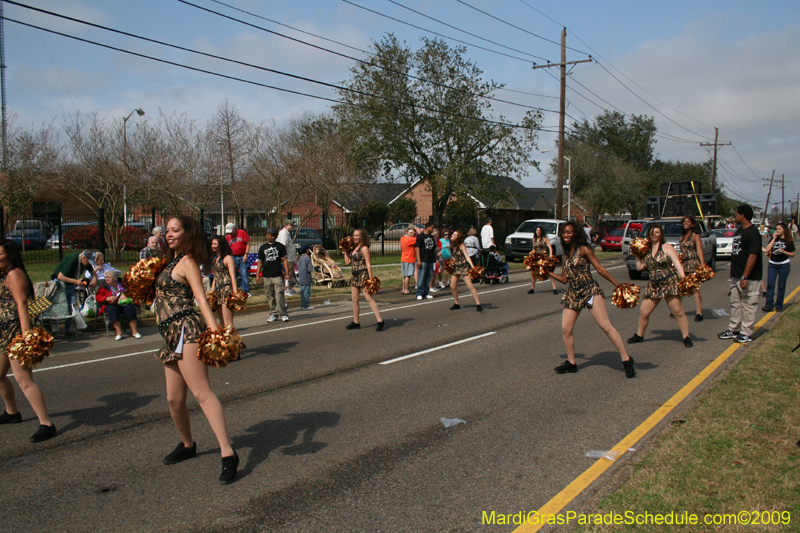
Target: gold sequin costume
[[9, 317], [581, 286], [223, 286], [541, 246], [691, 260], [359, 268], [460, 263], [663, 279], [175, 314]]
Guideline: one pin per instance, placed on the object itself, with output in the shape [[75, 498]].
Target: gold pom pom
[[626, 295], [689, 285], [475, 273], [347, 245], [680, 258], [372, 285], [140, 280], [236, 301], [704, 273], [540, 264], [449, 266], [31, 348], [640, 246], [211, 296], [218, 348]]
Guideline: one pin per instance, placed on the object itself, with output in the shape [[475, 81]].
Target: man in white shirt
[[285, 238], [580, 218], [487, 235]]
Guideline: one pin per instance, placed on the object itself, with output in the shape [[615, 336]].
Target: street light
[[568, 186], [139, 111]]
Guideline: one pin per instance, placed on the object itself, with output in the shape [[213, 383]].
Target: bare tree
[[231, 132]]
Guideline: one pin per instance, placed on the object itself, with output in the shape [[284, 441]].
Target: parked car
[[306, 236], [724, 242], [53, 242], [33, 239], [395, 231], [520, 243], [612, 241], [673, 229], [31, 224]]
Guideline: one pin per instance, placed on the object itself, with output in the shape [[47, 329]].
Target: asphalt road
[[331, 439]]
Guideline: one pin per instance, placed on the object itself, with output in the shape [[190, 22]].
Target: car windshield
[[616, 232], [671, 228], [724, 232], [530, 226]]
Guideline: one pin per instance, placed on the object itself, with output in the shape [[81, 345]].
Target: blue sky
[[698, 64]]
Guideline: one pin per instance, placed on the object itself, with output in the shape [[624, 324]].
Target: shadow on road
[[610, 359], [269, 349], [118, 408], [264, 437]]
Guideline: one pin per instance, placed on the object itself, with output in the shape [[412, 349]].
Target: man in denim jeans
[[239, 241], [272, 260], [426, 257]]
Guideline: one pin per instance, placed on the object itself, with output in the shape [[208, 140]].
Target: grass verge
[[732, 454]]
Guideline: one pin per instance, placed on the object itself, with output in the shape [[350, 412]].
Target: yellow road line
[[579, 484]]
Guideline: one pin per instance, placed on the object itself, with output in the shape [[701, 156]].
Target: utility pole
[[783, 190], [769, 192], [562, 112], [714, 168]]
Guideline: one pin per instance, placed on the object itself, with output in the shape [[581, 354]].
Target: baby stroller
[[495, 270], [328, 272]]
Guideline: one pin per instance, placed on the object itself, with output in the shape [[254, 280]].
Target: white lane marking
[[429, 350], [91, 361], [273, 330]]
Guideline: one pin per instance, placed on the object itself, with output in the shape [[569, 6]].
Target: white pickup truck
[[520, 243]]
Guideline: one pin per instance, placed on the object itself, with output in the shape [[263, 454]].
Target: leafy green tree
[[632, 139], [403, 210], [460, 214], [435, 125]]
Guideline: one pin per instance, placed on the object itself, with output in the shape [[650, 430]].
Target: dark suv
[[673, 230]]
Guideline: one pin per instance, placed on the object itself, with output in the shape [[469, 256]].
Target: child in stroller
[[495, 270]]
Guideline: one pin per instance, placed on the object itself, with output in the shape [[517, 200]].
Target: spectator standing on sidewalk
[[160, 235], [426, 257], [782, 250], [239, 241], [70, 271], [304, 275], [285, 238], [408, 258], [487, 235], [746, 273], [152, 249], [271, 257], [437, 267], [473, 245], [444, 252]]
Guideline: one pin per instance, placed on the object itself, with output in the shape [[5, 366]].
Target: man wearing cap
[[70, 271], [271, 257], [285, 238], [239, 241]]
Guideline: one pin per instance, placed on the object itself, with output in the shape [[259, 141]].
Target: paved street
[[331, 439]]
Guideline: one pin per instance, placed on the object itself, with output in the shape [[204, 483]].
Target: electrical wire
[[448, 37], [250, 82], [516, 27], [303, 78], [745, 163], [365, 52]]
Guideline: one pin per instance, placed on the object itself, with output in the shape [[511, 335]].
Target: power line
[[303, 78], [365, 52], [516, 27], [743, 161], [250, 82], [451, 38]]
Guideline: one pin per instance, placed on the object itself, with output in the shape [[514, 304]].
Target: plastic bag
[[89, 309], [80, 323]]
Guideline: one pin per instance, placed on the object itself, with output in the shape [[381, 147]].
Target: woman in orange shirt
[[408, 258]]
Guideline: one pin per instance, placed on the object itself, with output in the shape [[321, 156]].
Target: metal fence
[[48, 232]]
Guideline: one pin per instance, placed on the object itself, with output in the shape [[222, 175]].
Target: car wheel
[[330, 284], [510, 258], [634, 274], [379, 237], [713, 263]]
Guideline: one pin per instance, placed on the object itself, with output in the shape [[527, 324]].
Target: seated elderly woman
[[113, 301]]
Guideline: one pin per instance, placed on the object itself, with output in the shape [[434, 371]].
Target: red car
[[612, 241]]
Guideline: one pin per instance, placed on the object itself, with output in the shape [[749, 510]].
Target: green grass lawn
[[733, 453]]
